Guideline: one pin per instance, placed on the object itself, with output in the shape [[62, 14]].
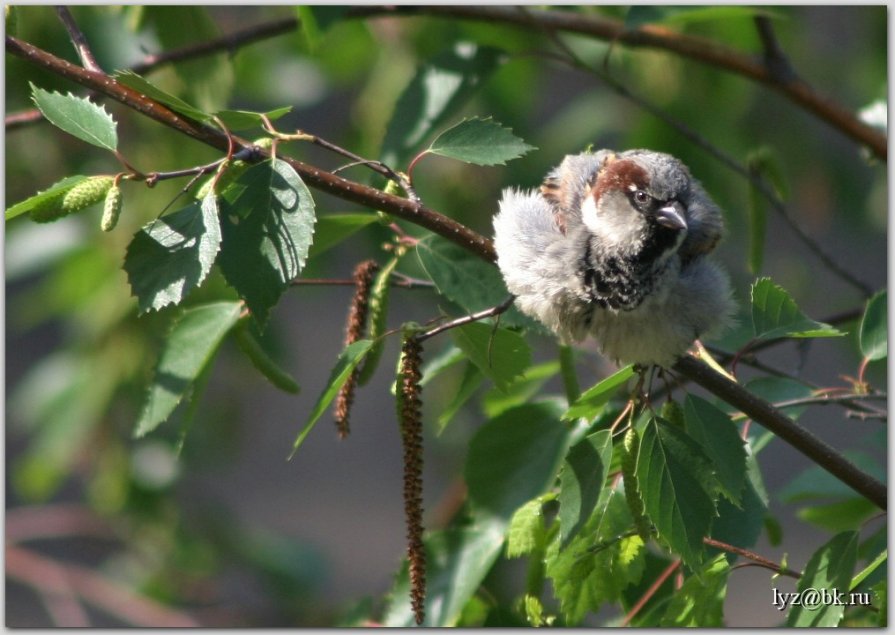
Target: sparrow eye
[[641, 196]]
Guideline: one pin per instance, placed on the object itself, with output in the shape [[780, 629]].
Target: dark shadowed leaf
[[721, 442], [267, 223], [581, 481], [676, 482]]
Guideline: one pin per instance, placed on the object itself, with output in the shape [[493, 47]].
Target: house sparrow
[[615, 246]]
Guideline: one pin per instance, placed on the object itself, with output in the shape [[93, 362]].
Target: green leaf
[[144, 86], [469, 383], [45, 197], [873, 334], [839, 516], [700, 600], [314, 21], [676, 482], [173, 254], [466, 279], [331, 229], [596, 566], [828, 571], [522, 390], [457, 560], [775, 314], [188, 349], [267, 225], [514, 458], [242, 119], [581, 481], [479, 141], [592, 400], [721, 442], [870, 568], [434, 95], [742, 525], [526, 531], [758, 216], [500, 354], [347, 362], [77, 116]]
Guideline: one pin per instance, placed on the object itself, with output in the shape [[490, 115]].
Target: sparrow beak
[[671, 216]]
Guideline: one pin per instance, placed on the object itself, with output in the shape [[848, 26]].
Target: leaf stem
[[567, 371]]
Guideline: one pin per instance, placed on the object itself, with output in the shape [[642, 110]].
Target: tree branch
[[78, 40], [312, 176], [756, 408], [771, 418], [657, 37]]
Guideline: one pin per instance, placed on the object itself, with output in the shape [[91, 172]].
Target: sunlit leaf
[[347, 362], [188, 349], [467, 280], [479, 141], [700, 600], [434, 95], [78, 116], [145, 87], [829, 569], [592, 400], [53, 193], [500, 354], [173, 254], [242, 119], [873, 335], [775, 314], [331, 229]]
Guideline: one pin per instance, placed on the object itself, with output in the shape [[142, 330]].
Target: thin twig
[[771, 418], [78, 40], [650, 592], [754, 557], [467, 319], [396, 280]]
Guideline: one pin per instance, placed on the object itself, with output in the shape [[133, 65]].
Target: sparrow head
[[639, 198]]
